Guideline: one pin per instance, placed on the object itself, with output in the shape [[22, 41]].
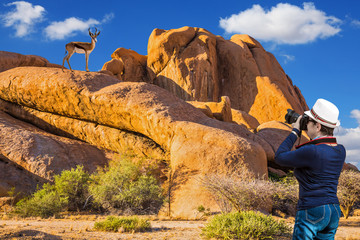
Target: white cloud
[[288, 58], [356, 114], [69, 27], [108, 17], [283, 24], [350, 138], [23, 17], [355, 23]]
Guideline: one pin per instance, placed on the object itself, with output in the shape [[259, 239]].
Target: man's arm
[[301, 157]]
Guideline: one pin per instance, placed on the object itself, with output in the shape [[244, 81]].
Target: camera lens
[[291, 116]]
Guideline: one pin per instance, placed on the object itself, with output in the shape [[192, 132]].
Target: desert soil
[[81, 227]]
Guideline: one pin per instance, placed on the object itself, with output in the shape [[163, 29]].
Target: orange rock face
[[241, 117], [196, 65], [39, 154], [10, 60], [221, 111], [127, 65]]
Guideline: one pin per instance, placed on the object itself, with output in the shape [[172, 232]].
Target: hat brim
[[317, 120]]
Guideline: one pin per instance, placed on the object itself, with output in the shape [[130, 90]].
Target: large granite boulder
[[10, 60], [241, 117], [221, 110], [32, 156], [103, 137], [194, 64], [197, 145], [127, 65]]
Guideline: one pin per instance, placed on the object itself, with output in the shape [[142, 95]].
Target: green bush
[[73, 184], [69, 192], [245, 225], [124, 224], [122, 186], [44, 203]]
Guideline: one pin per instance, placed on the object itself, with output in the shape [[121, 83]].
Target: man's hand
[[297, 123]]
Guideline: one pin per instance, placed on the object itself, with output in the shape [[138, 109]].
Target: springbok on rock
[[81, 47]]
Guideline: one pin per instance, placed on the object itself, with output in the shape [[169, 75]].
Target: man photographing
[[317, 164]]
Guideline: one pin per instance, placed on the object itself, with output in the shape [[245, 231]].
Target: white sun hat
[[325, 113]]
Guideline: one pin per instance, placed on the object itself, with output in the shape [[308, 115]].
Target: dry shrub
[[240, 190], [348, 191], [286, 195]]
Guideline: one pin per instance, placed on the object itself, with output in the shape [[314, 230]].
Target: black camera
[[291, 117]]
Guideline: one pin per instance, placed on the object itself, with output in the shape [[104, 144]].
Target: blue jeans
[[317, 223]]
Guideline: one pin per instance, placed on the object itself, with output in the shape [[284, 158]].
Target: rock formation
[[196, 65], [196, 144], [221, 111], [127, 65], [10, 60], [241, 117], [35, 156]]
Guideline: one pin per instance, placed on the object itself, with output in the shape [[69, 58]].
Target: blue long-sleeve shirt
[[317, 169]]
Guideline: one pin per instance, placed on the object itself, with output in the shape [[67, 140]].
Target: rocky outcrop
[[10, 60], [15, 177], [39, 155], [196, 144], [196, 65], [241, 117], [103, 137], [221, 110], [127, 65]]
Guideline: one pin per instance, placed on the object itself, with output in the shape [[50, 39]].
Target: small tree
[[348, 191]]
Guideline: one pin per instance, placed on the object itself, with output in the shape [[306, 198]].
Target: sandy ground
[[80, 227]]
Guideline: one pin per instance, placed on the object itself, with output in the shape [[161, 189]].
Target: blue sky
[[316, 42]]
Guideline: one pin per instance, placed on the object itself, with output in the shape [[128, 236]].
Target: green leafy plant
[[123, 224], [73, 184], [69, 192], [245, 225], [122, 186], [44, 203]]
